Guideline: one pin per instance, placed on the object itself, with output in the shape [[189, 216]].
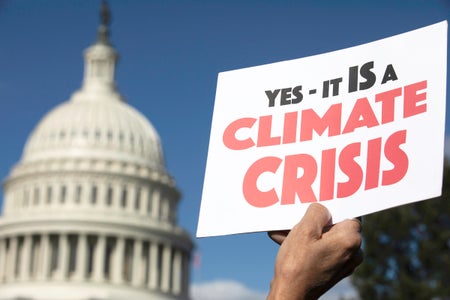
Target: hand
[[314, 255]]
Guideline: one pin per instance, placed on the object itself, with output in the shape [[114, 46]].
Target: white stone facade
[[90, 211]]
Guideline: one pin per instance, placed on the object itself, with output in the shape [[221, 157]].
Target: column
[[153, 268], [77, 194], [177, 272], [166, 268], [117, 266], [171, 213], [81, 261], [63, 258], [131, 198], [54, 252], [137, 277], [71, 190], [186, 273], [101, 195], [13, 205], [117, 196], [156, 199], [25, 199], [144, 201], [2, 258], [163, 208], [34, 263], [12, 257], [44, 256], [56, 192], [25, 258], [99, 258], [40, 205], [85, 194], [137, 198]]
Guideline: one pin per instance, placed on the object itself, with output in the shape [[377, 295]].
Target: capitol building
[[90, 211]]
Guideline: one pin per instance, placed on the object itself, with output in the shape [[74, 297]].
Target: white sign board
[[358, 130]]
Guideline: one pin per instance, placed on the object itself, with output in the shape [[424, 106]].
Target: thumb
[[278, 236]]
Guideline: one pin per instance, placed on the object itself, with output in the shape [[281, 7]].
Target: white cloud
[[233, 290], [224, 290]]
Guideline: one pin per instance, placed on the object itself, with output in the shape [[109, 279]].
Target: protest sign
[[358, 130]]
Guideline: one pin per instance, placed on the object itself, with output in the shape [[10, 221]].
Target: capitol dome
[[107, 129], [90, 211]]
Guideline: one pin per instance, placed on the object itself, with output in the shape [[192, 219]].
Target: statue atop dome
[[105, 19], [105, 15]]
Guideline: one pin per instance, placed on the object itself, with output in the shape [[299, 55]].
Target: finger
[[344, 239], [358, 220], [347, 226], [316, 218], [278, 236]]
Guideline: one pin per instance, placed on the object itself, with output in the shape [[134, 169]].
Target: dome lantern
[[100, 62]]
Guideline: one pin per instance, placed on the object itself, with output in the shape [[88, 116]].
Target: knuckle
[[351, 242]]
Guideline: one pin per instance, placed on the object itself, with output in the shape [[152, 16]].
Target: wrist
[[286, 289]]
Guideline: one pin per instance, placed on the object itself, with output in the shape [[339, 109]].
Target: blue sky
[[171, 53]]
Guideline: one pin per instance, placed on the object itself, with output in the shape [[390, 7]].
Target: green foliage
[[407, 251]]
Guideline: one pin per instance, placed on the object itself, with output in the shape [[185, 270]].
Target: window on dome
[[149, 202], [121, 138], [98, 134], [85, 133], [78, 194], [109, 196], [132, 141], [25, 198], [110, 136], [63, 194], [141, 144], [137, 200], [124, 196], [62, 134], [99, 66], [49, 194], [36, 196], [94, 194]]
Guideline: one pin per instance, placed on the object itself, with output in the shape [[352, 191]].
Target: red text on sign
[[301, 187]]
